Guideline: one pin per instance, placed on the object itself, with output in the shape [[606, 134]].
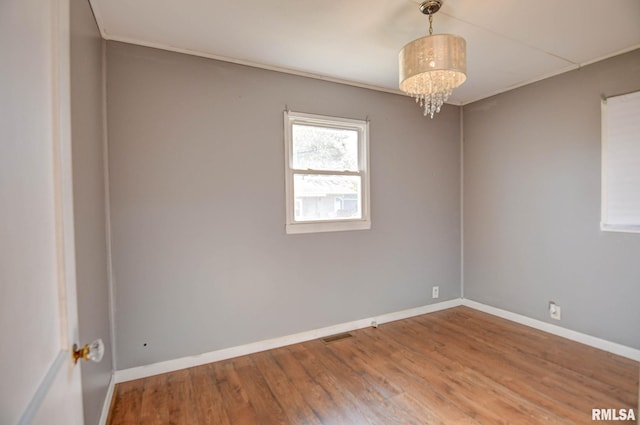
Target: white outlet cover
[[435, 292]]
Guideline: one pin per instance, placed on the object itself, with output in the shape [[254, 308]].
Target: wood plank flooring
[[457, 366]]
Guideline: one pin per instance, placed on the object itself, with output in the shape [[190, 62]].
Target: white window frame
[[362, 127], [612, 109]]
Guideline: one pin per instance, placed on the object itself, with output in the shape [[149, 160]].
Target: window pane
[[321, 148], [323, 197]]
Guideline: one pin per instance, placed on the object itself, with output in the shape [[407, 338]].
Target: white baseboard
[[612, 347], [255, 347], [107, 401], [227, 353]]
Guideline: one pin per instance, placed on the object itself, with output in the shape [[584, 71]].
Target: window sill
[[624, 228], [327, 226]]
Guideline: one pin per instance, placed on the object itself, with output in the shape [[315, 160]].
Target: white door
[[38, 311]]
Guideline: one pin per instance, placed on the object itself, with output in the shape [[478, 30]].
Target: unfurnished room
[[336, 212]]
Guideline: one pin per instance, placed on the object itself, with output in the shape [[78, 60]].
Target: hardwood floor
[[457, 366]]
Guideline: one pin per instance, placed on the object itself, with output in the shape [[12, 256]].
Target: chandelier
[[432, 66]]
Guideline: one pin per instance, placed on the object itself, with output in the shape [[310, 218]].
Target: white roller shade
[[621, 163]]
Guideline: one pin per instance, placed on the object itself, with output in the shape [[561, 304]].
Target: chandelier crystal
[[432, 66]]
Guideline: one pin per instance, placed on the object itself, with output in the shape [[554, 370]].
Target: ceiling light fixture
[[432, 66]]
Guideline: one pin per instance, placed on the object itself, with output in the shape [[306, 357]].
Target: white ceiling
[[509, 42]]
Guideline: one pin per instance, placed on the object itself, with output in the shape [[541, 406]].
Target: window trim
[[605, 225], [362, 126]]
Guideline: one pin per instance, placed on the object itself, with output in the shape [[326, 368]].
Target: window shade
[[621, 163]]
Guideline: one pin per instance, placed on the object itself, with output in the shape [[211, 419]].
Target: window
[[327, 173], [621, 163]]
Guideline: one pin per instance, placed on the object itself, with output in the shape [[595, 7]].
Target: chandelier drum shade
[[432, 66]]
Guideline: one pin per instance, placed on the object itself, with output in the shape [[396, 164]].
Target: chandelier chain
[[430, 23]]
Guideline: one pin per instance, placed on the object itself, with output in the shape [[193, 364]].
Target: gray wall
[[89, 201], [200, 257], [532, 205]]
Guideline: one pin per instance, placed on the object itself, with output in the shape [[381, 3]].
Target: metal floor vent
[[336, 337]]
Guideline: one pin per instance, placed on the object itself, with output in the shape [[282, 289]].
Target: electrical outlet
[[435, 292], [554, 311]]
